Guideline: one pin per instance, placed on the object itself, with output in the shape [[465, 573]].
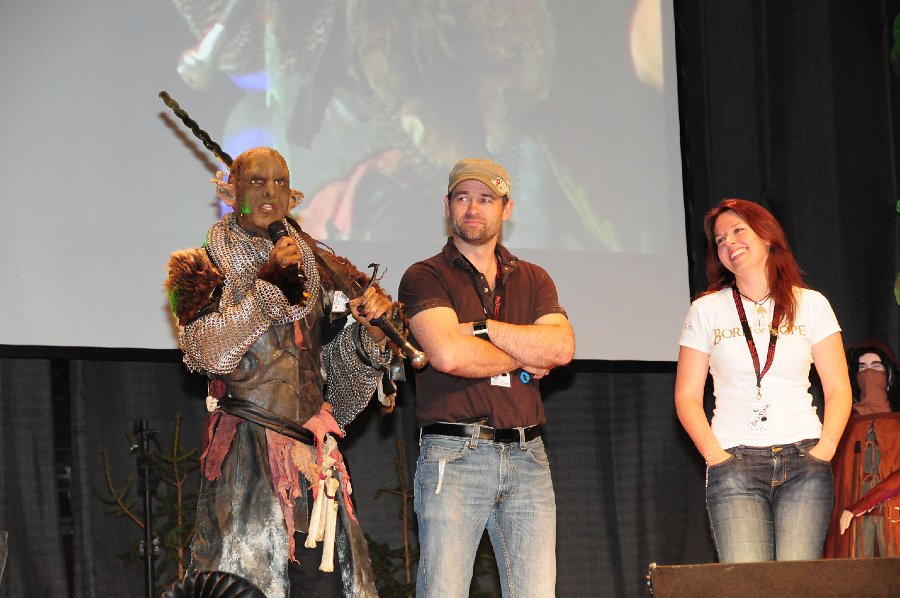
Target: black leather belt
[[264, 417], [484, 432]]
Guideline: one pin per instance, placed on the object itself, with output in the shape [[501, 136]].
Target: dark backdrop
[[789, 103]]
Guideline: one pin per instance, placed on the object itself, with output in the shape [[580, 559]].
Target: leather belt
[[484, 432], [259, 415]]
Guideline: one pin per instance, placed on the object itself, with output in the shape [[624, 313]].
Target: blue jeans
[[769, 503], [463, 486]]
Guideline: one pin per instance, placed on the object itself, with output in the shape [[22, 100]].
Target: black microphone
[[416, 357]]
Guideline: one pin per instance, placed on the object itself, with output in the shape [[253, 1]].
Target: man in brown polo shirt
[[492, 326]]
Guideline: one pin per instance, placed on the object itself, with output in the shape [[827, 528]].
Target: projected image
[[372, 102]]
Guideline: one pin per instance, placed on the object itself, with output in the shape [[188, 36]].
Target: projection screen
[[371, 103]]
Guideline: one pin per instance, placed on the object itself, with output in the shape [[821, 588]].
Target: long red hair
[[782, 271]]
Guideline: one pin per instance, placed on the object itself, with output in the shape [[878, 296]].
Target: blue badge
[[525, 377]]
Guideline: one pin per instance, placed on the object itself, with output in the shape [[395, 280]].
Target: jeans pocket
[[815, 459], [432, 467], [437, 450], [538, 454], [712, 468]]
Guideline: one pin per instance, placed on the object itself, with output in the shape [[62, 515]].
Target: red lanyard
[[773, 338], [498, 289]]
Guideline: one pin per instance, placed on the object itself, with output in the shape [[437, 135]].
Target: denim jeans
[[769, 503], [463, 486]]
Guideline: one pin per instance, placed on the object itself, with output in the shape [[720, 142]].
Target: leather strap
[[264, 417]]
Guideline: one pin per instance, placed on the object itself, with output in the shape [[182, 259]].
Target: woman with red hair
[[756, 330]]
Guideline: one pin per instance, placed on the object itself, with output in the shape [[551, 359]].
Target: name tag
[[500, 380], [759, 418]]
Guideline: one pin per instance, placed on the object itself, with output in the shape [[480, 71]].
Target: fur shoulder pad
[[192, 283]]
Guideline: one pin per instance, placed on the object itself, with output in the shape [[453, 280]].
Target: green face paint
[[245, 205]]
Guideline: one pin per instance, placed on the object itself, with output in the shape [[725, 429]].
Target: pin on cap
[[483, 170]]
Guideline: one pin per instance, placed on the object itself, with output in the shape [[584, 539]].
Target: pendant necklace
[[759, 306]]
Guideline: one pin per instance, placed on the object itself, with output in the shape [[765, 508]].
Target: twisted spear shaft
[[199, 133]]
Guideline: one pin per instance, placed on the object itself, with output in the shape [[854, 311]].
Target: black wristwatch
[[480, 330]]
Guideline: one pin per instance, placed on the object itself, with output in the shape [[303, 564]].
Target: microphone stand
[[149, 546]]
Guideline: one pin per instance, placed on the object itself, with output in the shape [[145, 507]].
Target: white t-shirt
[[784, 413]]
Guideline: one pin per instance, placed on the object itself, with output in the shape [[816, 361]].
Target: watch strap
[[480, 329]]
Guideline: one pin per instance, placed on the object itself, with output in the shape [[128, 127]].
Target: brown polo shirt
[[523, 293]]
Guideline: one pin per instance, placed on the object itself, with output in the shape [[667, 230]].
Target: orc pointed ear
[[296, 196], [225, 191]]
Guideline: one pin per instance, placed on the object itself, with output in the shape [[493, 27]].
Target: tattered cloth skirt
[[241, 528]]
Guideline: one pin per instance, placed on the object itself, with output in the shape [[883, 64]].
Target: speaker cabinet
[[868, 578]]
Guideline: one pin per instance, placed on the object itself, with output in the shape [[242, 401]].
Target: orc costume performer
[[280, 361], [865, 477]]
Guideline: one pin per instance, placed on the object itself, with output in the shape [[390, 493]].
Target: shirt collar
[[454, 257]]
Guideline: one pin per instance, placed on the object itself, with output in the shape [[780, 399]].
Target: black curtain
[[629, 487], [28, 501], [792, 104], [107, 398]]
